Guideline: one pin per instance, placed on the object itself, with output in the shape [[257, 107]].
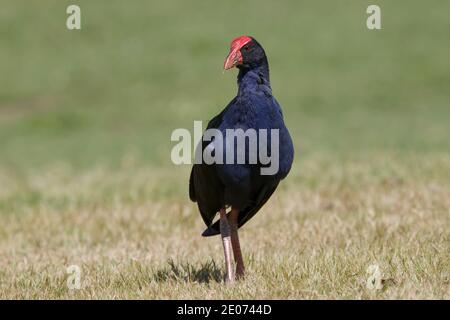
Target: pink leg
[[233, 218], [226, 241]]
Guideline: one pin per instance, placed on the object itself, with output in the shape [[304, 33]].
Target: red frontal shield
[[235, 56]]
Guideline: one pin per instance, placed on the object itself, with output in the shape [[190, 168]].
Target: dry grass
[[138, 70], [315, 238]]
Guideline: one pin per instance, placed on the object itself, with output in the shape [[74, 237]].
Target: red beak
[[234, 58]]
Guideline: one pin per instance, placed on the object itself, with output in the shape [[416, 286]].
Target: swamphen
[[241, 186]]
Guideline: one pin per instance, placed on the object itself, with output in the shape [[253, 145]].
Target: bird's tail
[[212, 230], [245, 214]]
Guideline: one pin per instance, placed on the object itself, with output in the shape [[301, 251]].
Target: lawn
[[86, 177]]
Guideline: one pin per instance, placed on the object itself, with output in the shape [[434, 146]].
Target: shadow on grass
[[188, 272]]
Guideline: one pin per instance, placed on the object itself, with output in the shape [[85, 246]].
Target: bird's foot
[[229, 279], [240, 272]]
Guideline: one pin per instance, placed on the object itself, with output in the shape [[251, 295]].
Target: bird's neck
[[262, 69]]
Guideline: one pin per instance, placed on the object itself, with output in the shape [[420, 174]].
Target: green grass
[[85, 170]]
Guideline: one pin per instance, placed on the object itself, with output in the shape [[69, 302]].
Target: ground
[[85, 171]]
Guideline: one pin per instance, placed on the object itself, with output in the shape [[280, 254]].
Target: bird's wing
[[205, 187], [246, 214]]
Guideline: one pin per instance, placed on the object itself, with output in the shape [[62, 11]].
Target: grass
[[86, 178], [315, 239]]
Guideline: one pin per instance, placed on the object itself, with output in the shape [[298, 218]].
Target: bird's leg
[[233, 218], [226, 241]]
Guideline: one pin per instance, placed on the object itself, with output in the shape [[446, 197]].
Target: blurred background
[[86, 115], [135, 71]]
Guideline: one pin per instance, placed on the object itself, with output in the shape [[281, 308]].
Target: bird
[[236, 187]]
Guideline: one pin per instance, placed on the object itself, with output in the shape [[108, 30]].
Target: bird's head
[[245, 52]]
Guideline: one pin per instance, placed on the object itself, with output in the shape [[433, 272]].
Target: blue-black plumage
[[242, 186]]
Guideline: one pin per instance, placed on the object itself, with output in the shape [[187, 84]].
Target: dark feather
[[246, 214], [241, 186]]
